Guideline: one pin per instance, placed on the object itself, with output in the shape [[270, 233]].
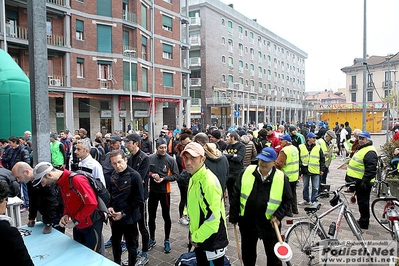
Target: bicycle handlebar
[[326, 193]]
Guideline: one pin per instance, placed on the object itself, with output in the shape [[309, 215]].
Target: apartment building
[[110, 62], [241, 72]]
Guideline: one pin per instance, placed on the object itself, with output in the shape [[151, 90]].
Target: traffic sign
[[236, 114]]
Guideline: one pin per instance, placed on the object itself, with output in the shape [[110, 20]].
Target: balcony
[[57, 2], [353, 87], [218, 100], [196, 21], [195, 41], [129, 16], [105, 84], [130, 48], [195, 101], [195, 61], [56, 40], [16, 32], [126, 85], [56, 81], [195, 82], [386, 84]]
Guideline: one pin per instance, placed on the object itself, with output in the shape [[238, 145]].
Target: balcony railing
[[56, 40], [57, 2], [195, 101], [126, 85], [56, 81], [386, 84], [105, 84], [195, 82], [353, 87], [130, 48], [218, 100], [16, 32], [195, 41], [129, 16], [196, 21], [195, 61]]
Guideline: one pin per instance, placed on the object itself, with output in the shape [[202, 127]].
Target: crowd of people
[[250, 174]]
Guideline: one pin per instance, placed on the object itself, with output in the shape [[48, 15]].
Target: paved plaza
[[178, 240]]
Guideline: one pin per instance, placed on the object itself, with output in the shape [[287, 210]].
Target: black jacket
[[12, 156], [255, 209], [146, 146], [166, 167], [235, 155], [46, 200], [12, 245], [141, 164], [7, 178], [127, 194], [220, 167]]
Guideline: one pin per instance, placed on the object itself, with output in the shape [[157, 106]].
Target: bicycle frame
[[341, 213]]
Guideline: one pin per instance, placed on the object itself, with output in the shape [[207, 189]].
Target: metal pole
[[389, 96], [364, 69], [3, 6], [248, 111], [130, 89]]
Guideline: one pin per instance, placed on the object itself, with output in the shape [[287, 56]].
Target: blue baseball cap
[[267, 154], [365, 134], [286, 137], [311, 135]]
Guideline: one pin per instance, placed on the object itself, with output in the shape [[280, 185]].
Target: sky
[[330, 32]]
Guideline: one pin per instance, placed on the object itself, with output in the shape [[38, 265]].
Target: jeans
[[25, 194], [315, 186]]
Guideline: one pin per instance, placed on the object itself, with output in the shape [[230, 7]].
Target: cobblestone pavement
[[178, 240]]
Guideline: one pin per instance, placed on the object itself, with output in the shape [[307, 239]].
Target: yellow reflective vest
[[291, 167], [312, 159], [276, 190], [356, 164]]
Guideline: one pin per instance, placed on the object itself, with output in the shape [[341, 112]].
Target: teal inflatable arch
[[15, 108]]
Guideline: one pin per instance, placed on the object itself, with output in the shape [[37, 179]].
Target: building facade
[[240, 71], [110, 63]]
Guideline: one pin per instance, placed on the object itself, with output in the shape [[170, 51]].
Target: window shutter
[[143, 40], [167, 48], [104, 38], [80, 60], [126, 38], [104, 8], [79, 25], [166, 21], [167, 79]]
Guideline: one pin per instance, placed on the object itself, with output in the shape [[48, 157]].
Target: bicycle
[[309, 240], [386, 212], [380, 176]]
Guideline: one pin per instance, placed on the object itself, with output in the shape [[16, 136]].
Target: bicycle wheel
[[379, 210], [304, 241]]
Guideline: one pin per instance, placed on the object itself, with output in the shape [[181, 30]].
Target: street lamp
[[130, 52]]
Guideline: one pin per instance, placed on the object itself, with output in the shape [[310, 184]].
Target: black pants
[[249, 241], [363, 201], [294, 202], [118, 229], [142, 224], [90, 236], [229, 185], [183, 198], [203, 261], [164, 199]]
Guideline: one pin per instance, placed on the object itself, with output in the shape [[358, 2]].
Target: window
[[104, 38], [167, 79], [230, 26], [49, 27], [240, 35], [240, 49], [84, 105], [222, 21], [167, 23], [167, 51], [231, 63], [252, 69], [223, 78], [80, 67], [223, 59], [259, 72], [168, 1], [231, 81], [79, 29], [223, 41], [369, 96], [230, 48], [144, 47], [104, 70], [144, 16], [144, 79], [260, 57], [240, 66], [104, 8], [251, 36], [125, 40], [353, 97]]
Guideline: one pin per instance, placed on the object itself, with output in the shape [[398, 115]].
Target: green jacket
[[205, 207]]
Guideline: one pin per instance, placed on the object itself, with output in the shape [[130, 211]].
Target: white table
[[13, 210], [57, 248]]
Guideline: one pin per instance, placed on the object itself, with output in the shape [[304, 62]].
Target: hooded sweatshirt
[[217, 163]]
